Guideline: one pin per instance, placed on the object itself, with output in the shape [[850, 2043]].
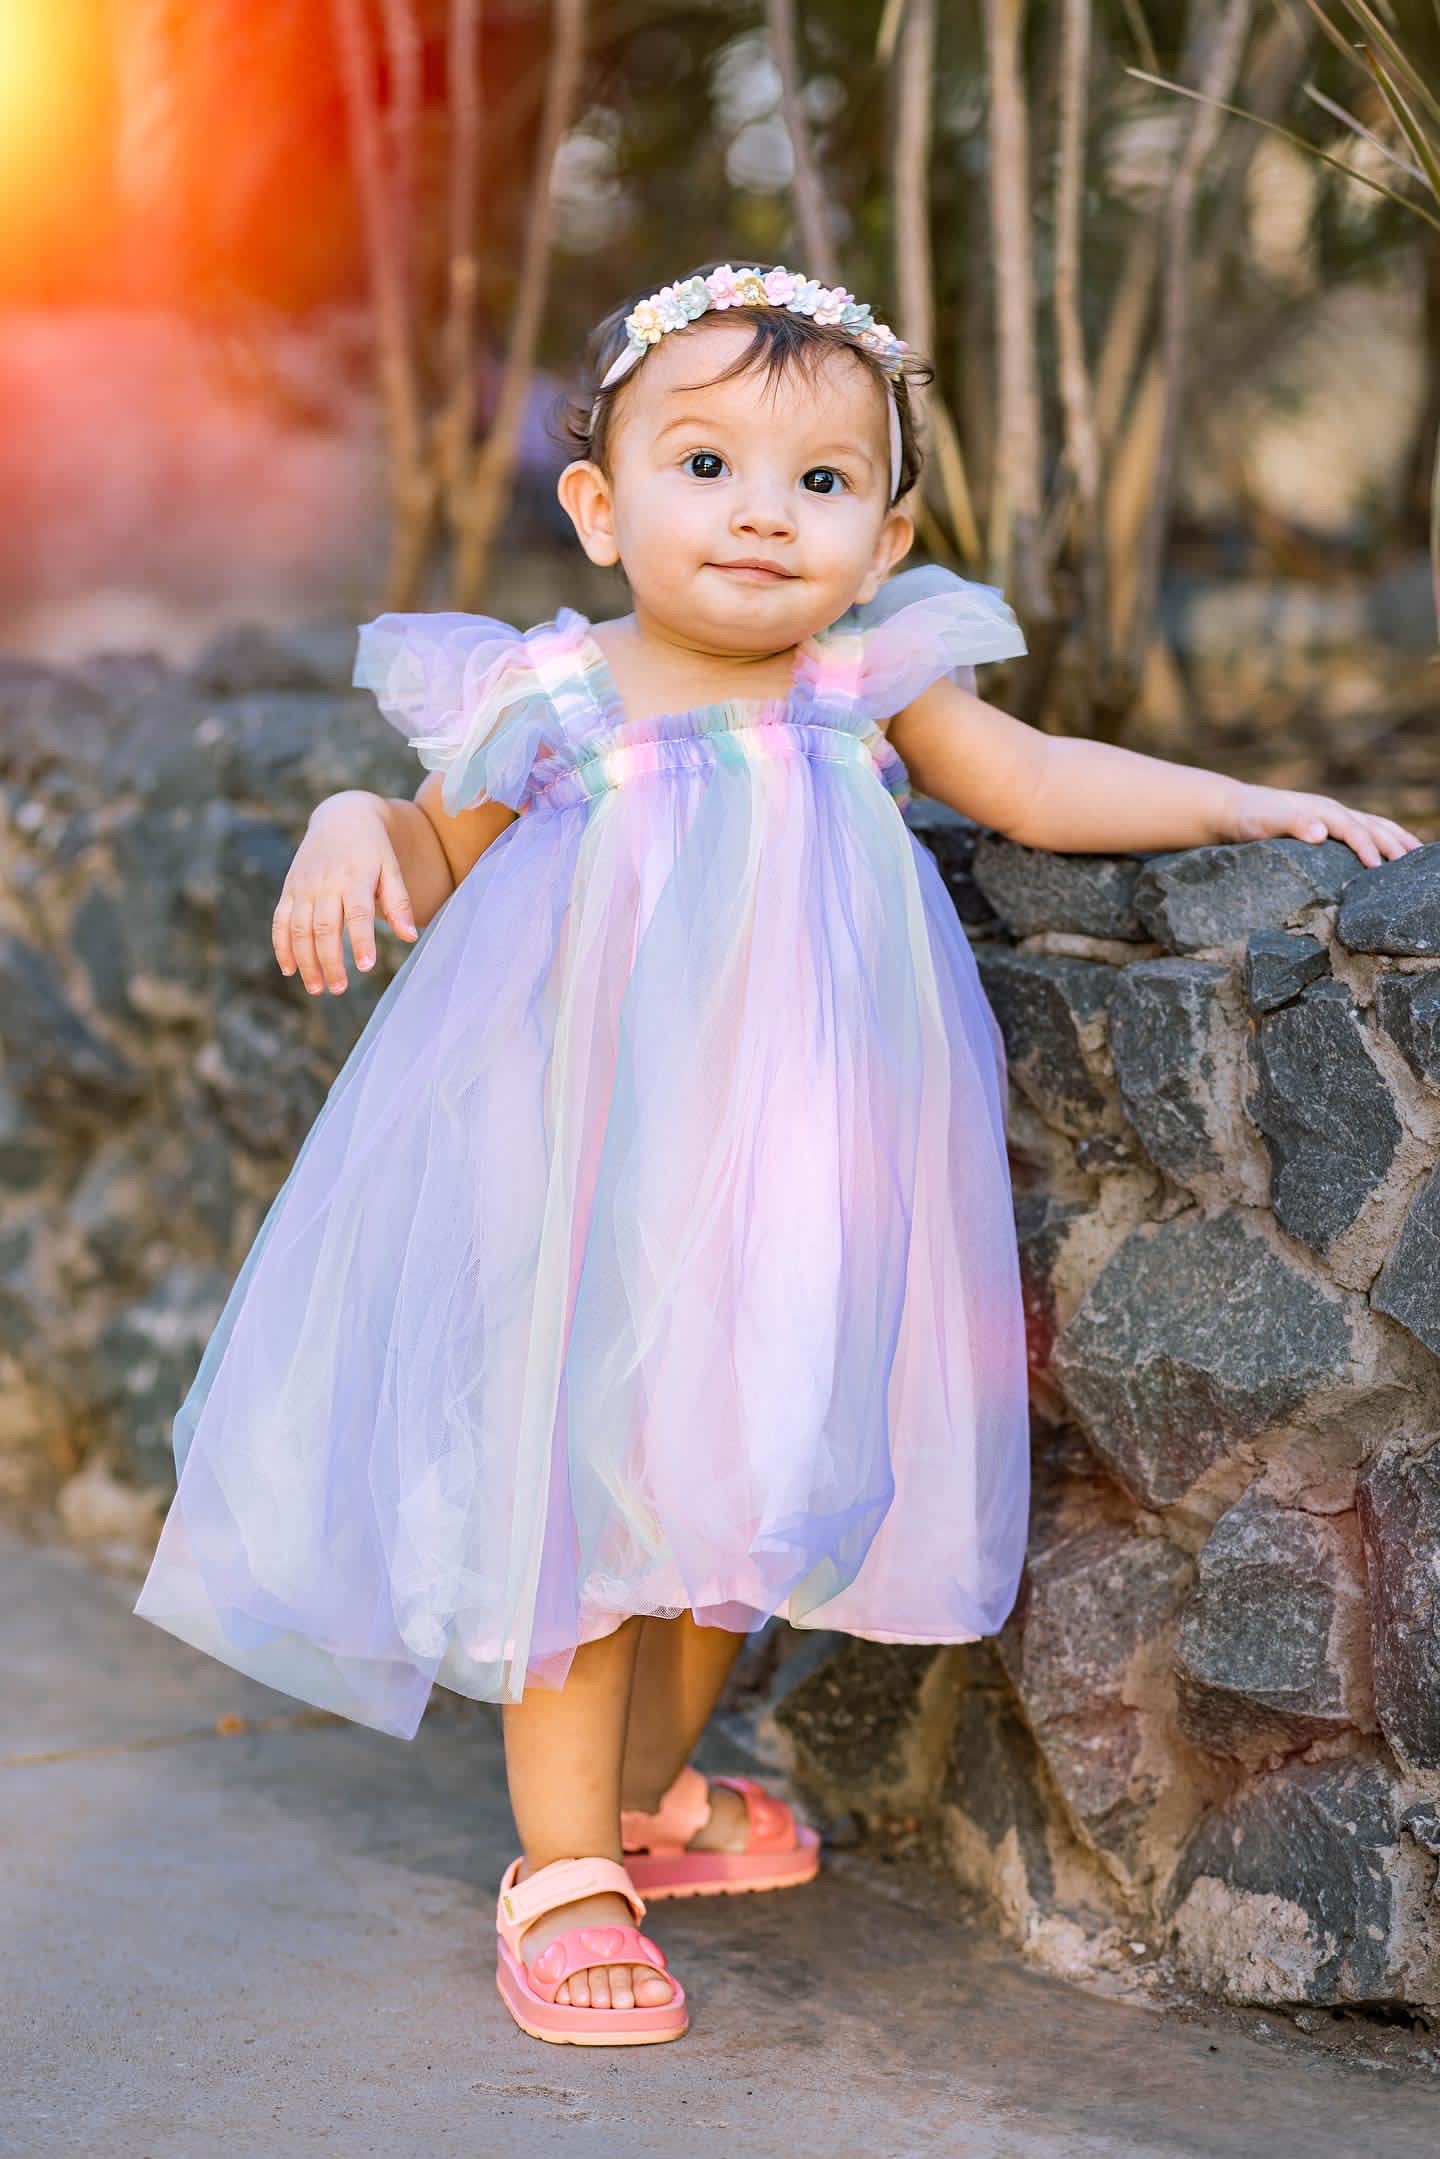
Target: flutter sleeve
[[925, 623], [464, 691]]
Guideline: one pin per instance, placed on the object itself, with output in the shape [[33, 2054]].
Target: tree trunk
[[812, 213], [412, 484], [486, 488]]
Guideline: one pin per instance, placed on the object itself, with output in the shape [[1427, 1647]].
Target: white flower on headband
[[675, 307]]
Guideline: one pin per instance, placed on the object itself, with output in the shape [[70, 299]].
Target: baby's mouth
[[756, 568]]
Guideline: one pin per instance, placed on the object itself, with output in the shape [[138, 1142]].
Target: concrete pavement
[[279, 1942]]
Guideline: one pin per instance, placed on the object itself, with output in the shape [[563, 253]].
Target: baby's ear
[[584, 494], [897, 537]]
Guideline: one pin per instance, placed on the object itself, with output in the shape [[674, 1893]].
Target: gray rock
[[31, 1150], [1395, 907], [1399, 1507], [294, 749], [255, 855], [1218, 895], [53, 1056], [1194, 1337], [97, 938], [1100, 1152], [165, 746], [1408, 1008], [1287, 1894], [268, 1082], [1255, 1668], [1422, 1822], [1088, 1606], [54, 730], [1165, 1032], [1041, 1222], [147, 1356], [1407, 1288], [1041, 1003], [1278, 964], [165, 860], [995, 1800], [255, 656], [1325, 1111], [1031, 890], [867, 1724], [952, 840]]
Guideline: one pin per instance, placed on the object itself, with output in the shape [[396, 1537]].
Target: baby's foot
[[728, 1826], [598, 1986]]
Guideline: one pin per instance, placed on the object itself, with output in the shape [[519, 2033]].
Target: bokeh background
[[268, 271], [289, 293]]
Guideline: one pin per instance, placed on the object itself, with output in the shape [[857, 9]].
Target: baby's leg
[[562, 1758], [679, 1672]]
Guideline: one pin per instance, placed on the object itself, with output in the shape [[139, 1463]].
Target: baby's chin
[[757, 614]]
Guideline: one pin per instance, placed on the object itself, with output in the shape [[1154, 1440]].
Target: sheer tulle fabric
[[653, 1249]]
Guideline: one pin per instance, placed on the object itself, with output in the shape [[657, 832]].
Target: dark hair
[[781, 341]]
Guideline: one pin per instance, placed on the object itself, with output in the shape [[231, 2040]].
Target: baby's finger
[[360, 921], [302, 939], [328, 918], [1405, 840], [395, 899], [1385, 836], [280, 939], [1318, 817]]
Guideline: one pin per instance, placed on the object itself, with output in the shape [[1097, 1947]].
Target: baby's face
[[747, 515]]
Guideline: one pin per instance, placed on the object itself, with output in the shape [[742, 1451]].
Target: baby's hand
[[1268, 813], [342, 865]]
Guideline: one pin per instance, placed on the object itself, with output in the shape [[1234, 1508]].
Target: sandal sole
[[719, 1874]]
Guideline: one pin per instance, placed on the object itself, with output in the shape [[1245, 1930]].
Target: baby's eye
[[705, 464], [824, 480]]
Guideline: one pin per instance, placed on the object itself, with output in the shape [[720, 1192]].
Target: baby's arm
[[360, 848], [1081, 797]]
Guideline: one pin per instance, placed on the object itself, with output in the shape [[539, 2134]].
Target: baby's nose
[[765, 507]]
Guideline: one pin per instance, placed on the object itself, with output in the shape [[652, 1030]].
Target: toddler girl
[[650, 1268]]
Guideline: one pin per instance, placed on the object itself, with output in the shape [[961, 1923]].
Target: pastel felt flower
[[644, 324], [780, 287], [751, 288], [723, 286], [831, 304], [671, 308], [807, 293], [878, 337]]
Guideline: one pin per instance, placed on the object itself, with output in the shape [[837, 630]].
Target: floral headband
[[675, 307]]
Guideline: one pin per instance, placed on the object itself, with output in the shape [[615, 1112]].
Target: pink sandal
[[528, 1992], [780, 1853]]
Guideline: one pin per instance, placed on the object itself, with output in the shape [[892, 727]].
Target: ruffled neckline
[[607, 696]]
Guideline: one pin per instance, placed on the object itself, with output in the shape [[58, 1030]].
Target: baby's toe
[[652, 1988], [598, 1978]]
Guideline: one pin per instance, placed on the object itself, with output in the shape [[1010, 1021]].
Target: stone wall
[[1210, 1733], [159, 1072], [1212, 1727]]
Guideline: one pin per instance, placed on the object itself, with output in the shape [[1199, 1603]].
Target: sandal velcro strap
[[585, 1946], [562, 1882], [685, 1808]]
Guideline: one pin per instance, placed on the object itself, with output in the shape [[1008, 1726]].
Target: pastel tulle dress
[[653, 1249]]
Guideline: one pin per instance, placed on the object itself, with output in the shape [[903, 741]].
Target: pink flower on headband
[[781, 287], [831, 305], [728, 287]]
